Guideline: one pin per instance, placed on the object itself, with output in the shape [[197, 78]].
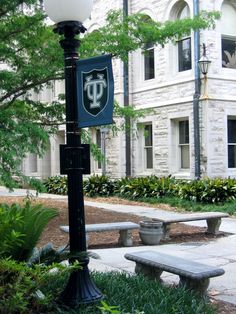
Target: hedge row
[[204, 191]]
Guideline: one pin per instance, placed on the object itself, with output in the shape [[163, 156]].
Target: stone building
[[190, 131]]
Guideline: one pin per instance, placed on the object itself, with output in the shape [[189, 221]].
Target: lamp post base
[[80, 289]]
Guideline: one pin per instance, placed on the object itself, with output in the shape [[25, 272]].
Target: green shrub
[[208, 190], [146, 187], [56, 185], [23, 289], [37, 290], [21, 228], [99, 186], [205, 191]]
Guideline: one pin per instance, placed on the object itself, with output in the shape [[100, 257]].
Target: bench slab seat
[[193, 275], [125, 230], [213, 220]]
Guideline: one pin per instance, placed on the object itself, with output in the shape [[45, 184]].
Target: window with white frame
[[99, 145], [148, 147], [149, 62], [183, 46], [228, 52], [228, 38], [232, 142], [184, 144], [33, 162], [148, 56], [184, 54]]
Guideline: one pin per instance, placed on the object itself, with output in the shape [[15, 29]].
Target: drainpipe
[[126, 103], [196, 97]]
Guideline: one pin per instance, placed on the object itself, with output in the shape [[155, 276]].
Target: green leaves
[[33, 59], [27, 290], [216, 190], [99, 186], [122, 35], [205, 191], [36, 290], [56, 185], [21, 228]]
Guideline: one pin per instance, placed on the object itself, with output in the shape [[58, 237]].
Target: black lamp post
[[68, 16]]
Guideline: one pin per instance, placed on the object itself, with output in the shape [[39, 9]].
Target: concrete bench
[[125, 230], [213, 220], [194, 276]]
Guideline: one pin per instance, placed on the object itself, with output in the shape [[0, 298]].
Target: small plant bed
[[218, 194], [117, 288], [37, 290], [179, 232]]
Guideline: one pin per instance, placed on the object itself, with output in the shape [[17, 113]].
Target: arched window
[[184, 45], [228, 39], [148, 57]]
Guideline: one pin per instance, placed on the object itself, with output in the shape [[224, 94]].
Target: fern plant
[[21, 228]]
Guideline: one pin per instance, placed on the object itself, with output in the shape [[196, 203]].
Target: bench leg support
[[148, 271], [213, 225], [200, 286], [125, 238], [166, 231]]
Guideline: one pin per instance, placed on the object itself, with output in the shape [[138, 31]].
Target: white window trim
[[172, 12], [94, 162], [225, 69], [141, 157], [146, 148], [231, 171], [143, 63], [228, 172], [142, 81], [174, 148], [33, 161]]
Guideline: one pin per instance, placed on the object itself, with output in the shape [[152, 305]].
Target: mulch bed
[[179, 232]]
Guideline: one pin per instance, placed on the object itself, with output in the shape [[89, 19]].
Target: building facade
[[190, 129]]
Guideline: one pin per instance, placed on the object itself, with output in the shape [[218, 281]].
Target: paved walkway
[[220, 252]]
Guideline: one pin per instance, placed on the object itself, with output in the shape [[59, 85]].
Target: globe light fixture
[[68, 16], [68, 10]]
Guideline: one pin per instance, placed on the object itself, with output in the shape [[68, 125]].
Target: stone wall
[[170, 97]]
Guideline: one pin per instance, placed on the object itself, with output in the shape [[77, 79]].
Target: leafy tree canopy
[[31, 59]]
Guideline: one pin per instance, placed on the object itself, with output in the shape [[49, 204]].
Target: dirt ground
[[179, 232]]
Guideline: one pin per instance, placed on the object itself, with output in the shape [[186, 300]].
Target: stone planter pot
[[150, 232]]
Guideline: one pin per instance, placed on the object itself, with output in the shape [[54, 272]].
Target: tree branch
[[22, 89], [22, 29]]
